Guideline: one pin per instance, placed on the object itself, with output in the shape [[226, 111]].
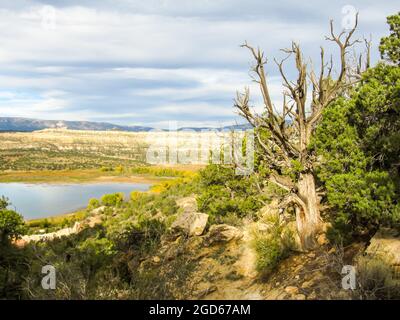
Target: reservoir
[[34, 201]]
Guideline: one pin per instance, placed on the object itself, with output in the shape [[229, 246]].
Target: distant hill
[[29, 125], [239, 127]]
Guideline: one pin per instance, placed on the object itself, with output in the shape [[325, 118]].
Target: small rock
[[292, 290], [202, 293], [322, 240], [312, 296], [173, 252], [300, 296], [326, 226], [307, 284], [318, 276], [156, 259], [98, 210], [223, 233], [93, 221], [297, 277], [332, 250]]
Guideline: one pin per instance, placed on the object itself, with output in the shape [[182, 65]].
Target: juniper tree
[[283, 138]]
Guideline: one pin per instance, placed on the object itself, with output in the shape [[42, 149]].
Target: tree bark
[[308, 218]]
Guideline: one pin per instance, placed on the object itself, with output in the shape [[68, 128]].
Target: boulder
[[223, 233], [98, 210], [386, 245], [190, 223], [188, 204], [75, 229], [92, 222]]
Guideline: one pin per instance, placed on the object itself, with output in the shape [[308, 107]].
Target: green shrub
[[358, 144], [13, 260], [113, 199], [143, 236], [106, 169], [135, 195], [360, 194], [272, 245], [119, 169], [93, 203], [165, 204], [12, 224], [94, 253], [223, 193], [45, 224], [162, 172]]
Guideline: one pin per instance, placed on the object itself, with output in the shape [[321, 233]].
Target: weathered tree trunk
[[290, 140], [308, 218]]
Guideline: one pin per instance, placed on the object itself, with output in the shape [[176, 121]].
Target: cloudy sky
[[155, 61]]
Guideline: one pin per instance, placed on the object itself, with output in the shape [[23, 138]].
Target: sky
[[158, 62]]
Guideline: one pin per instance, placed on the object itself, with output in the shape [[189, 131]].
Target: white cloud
[[147, 61]]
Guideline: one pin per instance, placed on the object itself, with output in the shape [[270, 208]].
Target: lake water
[[44, 200]]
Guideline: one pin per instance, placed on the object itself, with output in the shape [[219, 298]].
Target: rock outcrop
[[89, 222], [385, 244], [52, 235], [190, 223], [188, 204], [98, 210]]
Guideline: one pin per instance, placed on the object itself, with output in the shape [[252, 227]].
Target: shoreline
[[76, 177], [88, 176], [55, 216], [63, 215]]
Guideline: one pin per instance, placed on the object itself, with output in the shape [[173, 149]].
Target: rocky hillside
[[226, 262], [220, 262]]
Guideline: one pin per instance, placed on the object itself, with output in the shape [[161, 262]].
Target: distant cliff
[[27, 125]]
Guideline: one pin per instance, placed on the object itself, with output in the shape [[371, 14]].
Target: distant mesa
[[18, 124], [29, 125]]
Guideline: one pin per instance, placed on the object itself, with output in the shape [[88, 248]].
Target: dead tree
[[284, 137]]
